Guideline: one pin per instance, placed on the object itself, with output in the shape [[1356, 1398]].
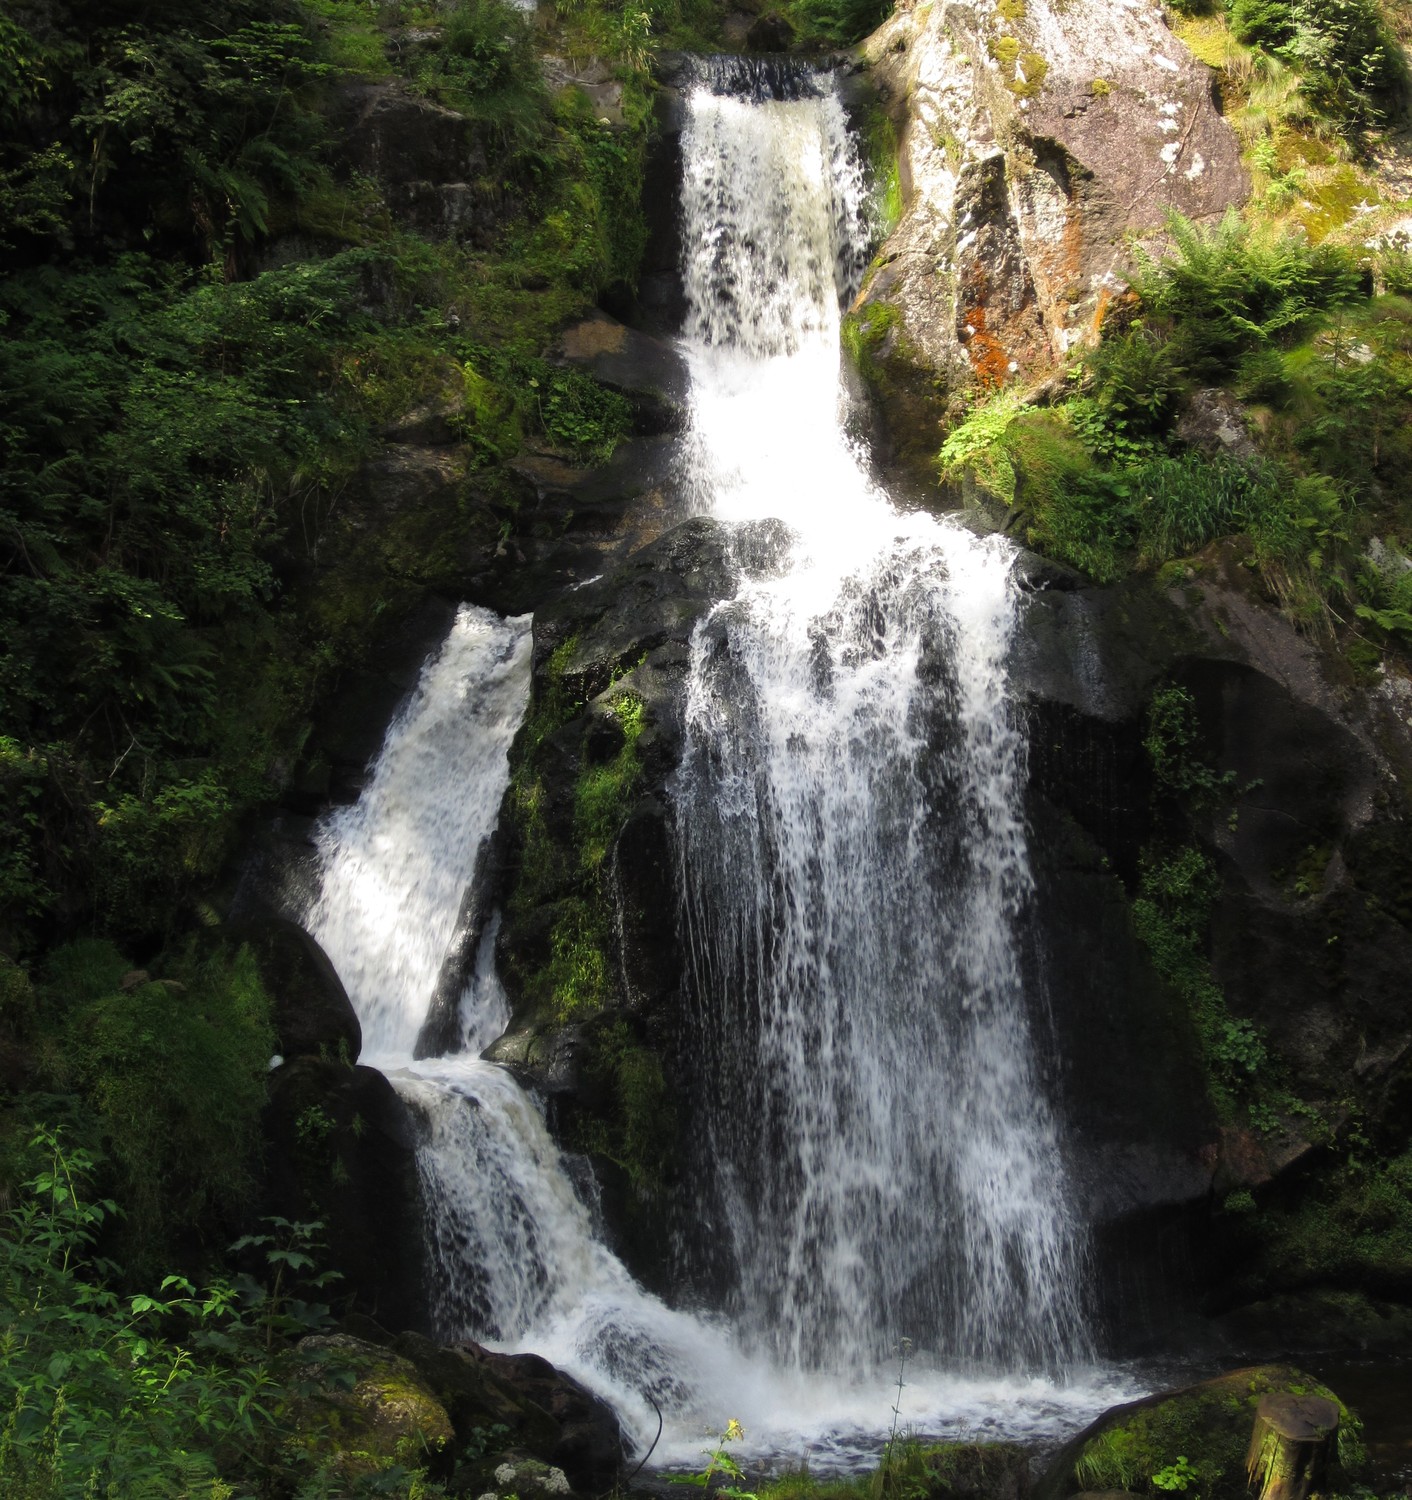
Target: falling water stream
[[876, 1154]]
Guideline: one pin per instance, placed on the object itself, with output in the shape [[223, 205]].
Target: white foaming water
[[395, 865], [850, 905], [852, 847]]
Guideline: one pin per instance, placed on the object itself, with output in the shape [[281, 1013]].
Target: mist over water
[[876, 1156]]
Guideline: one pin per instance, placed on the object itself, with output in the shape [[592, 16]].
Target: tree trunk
[[1291, 1445]]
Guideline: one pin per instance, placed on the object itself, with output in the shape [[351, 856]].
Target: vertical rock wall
[[1035, 140]]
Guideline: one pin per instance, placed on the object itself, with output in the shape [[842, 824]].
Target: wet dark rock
[[644, 866], [589, 1446], [1302, 944], [313, 1015], [441, 1030], [340, 1149], [430, 161], [769, 33], [1345, 1322]]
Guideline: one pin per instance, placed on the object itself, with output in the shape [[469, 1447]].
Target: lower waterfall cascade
[[879, 1156]]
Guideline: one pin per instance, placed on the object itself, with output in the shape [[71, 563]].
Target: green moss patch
[[1201, 1433]]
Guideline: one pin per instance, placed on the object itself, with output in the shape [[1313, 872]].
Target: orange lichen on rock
[[986, 353]]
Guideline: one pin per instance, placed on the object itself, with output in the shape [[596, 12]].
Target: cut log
[[1291, 1446]]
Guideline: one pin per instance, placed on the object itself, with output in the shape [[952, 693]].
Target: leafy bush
[[1385, 582], [1348, 61], [1262, 23], [485, 65], [1139, 382], [842, 21], [173, 1072], [147, 1396]]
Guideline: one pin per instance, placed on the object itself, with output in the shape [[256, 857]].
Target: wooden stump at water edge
[[1290, 1446]]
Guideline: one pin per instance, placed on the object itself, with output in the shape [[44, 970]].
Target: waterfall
[[877, 1156], [852, 850], [395, 865]]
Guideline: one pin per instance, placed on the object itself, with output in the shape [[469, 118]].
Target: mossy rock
[[388, 1415], [967, 1471], [1208, 1425]]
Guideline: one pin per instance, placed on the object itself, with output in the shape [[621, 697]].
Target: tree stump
[[1291, 1445]]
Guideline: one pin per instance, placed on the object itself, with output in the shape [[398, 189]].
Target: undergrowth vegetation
[[184, 413], [1321, 364], [214, 325]]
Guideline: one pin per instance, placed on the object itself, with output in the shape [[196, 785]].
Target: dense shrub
[[1232, 288], [171, 1073]]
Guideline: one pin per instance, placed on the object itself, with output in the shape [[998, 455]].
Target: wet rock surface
[[1304, 944], [312, 1012], [341, 1151]]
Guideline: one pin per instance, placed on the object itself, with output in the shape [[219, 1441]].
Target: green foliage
[[579, 414], [1350, 63], [1385, 581], [152, 1395], [604, 792], [172, 1072], [1350, 1227], [1138, 382], [842, 22], [1178, 1476], [486, 66], [169, 1394], [720, 1466], [1171, 741], [1231, 288], [577, 976]]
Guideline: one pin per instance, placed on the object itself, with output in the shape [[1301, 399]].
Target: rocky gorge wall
[[1030, 140]]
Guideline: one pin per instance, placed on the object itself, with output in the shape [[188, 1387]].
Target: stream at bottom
[[519, 1263]]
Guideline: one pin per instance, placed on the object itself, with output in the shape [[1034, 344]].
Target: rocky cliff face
[[1034, 140]]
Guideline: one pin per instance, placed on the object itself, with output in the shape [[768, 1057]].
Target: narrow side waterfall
[[853, 854], [395, 865]]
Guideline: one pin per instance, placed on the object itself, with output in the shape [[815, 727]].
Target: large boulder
[[1206, 1428], [313, 1015], [514, 1410], [1035, 137], [367, 1408], [341, 1151]]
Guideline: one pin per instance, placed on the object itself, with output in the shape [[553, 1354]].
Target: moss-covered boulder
[[964, 1471], [369, 1408], [1192, 1439]]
